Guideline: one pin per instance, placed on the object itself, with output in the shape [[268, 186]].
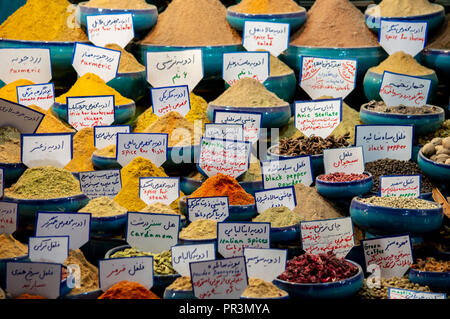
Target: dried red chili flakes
[[342, 177], [321, 268]]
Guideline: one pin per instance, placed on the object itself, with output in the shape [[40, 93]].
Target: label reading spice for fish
[[233, 132], [275, 197], [52, 249], [21, 117], [183, 255], [215, 208], [169, 68], [401, 186], [399, 89], [159, 189], [219, 279], [321, 236], [101, 183], [107, 135], [407, 36], [46, 149], [287, 172], [32, 64], [396, 293], [89, 111], [238, 65], [152, 146], [75, 225], [385, 141], [267, 36], [250, 121], [42, 95], [327, 77], [319, 117], [171, 99], [110, 28], [346, 160], [152, 232], [265, 264], [42, 279], [232, 238], [221, 156], [393, 254], [133, 269], [100, 61], [8, 217]]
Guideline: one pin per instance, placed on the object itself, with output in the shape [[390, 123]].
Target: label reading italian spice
[[101, 183], [275, 197], [233, 132], [152, 146], [42, 279], [171, 99], [215, 208], [133, 269], [232, 238], [399, 89], [46, 149], [152, 232], [346, 160], [327, 77], [42, 95], [89, 111], [107, 135], [170, 68], [265, 264], [75, 225], [267, 36], [21, 117], [31, 63], [393, 254], [8, 217], [100, 61], [401, 186], [407, 36], [319, 117], [321, 236], [385, 141], [219, 279], [183, 255], [397, 293], [287, 172], [52, 249], [110, 28], [159, 189], [238, 65], [250, 121], [2, 182]]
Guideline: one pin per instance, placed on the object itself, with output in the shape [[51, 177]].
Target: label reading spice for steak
[[238, 65], [42, 95], [101, 183], [407, 36], [183, 255], [267, 36], [21, 117], [265, 264], [396, 293], [287, 172], [171, 99], [233, 132], [110, 28], [252, 122], [46, 149], [215, 208], [8, 217], [152, 146], [107, 135], [346, 160], [159, 189], [52, 249], [400, 186], [89, 111], [275, 197]]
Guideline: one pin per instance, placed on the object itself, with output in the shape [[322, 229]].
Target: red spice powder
[[128, 290], [28, 296]]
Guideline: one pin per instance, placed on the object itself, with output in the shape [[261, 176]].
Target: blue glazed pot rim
[[422, 157], [278, 77], [109, 10], [352, 183], [406, 116], [433, 51], [2, 260], [385, 209], [290, 227], [196, 181], [108, 218], [45, 201], [293, 46], [104, 158], [270, 152], [226, 46], [286, 296], [182, 147], [380, 75], [198, 240], [167, 276], [87, 293], [12, 165], [439, 274], [128, 74], [121, 106], [43, 42], [266, 15], [255, 109], [178, 291], [415, 17]]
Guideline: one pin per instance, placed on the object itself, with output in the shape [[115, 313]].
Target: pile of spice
[[380, 106], [438, 150], [267, 6], [160, 208], [248, 92], [44, 182], [29, 296], [442, 38], [10, 145], [9, 91], [128, 290], [198, 23], [341, 177], [399, 202], [394, 282], [258, 288], [278, 67], [279, 217], [313, 145], [162, 262], [103, 207], [107, 151], [200, 229], [321, 268], [89, 273], [431, 264], [442, 132], [128, 62], [181, 283], [334, 23], [118, 4], [43, 20], [83, 148], [403, 63], [223, 185], [403, 8], [10, 247]]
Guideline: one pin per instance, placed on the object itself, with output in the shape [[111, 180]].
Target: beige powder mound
[[267, 6], [403, 8], [128, 62], [401, 62], [118, 4]]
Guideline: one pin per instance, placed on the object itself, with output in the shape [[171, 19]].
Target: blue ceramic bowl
[[102, 162], [339, 289], [344, 189], [388, 220], [178, 294], [316, 160], [108, 226], [143, 19], [86, 295], [131, 84], [438, 60], [436, 171], [434, 280], [189, 185], [425, 196], [294, 19], [273, 298], [176, 165], [12, 172], [284, 234], [372, 85]]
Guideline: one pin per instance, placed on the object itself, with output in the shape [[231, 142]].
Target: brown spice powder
[[128, 62], [10, 247], [89, 273]]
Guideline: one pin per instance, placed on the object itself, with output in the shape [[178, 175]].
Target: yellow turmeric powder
[[267, 6], [107, 151], [83, 147], [401, 62], [9, 91], [128, 62]]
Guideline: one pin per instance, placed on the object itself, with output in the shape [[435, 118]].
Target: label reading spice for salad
[[89, 111], [8, 217], [250, 121], [275, 197], [215, 208], [110, 28], [152, 146], [171, 99], [24, 119], [233, 132], [396, 293], [183, 255], [46, 149], [238, 65], [107, 135], [346, 160], [52, 249], [265, 264], [267, 36], [101, 183], [401, 186], [42, 95], [407, 36], [287, 172], [159, 189]]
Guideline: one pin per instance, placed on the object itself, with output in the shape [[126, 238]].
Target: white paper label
[[275, 197], [8, 217], [183, 255], [110, 28], [171, 99], [346, 160], [265, 264], [233, 132], [287, 172], [42, 95], [238, 65], [90, 111], [159, 189], [396, 293], [101, 183], [134, 269], [407, 36], [23, 118], [46, 149], [267, 36], [152, 146], [52, 249], [215, 208], [250, 121], [107, 135], [400, 186]]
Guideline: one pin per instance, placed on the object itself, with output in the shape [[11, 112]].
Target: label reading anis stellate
[[110, 28], [42, 95]]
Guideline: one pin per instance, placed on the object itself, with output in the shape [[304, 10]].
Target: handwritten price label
[[401, 186], [159, 189], [53, 249], [183, 255], [89, 111], [396, 293], [265, 264], [171, 99], [46, 149], [233, 132], [42, 95], [107, 135], [250, 121], [152, 146], [287, 172], [219, 279], [275, 197], [23, 118], [101, 183], [347, 160], [396, 35], [215, 208], [238, 65], [110, 28], [267, 36], [134, 269], [8, 217]]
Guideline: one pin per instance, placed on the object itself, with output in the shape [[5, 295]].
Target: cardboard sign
[[107, 135], [110, 28], [101, 183], [396, 293], [407, 36], [47, 149], [319, 117], [287, 172], [134, 269], [169, 68], [267, 36], [252, 122], [238, 65], [401, 186], [42, 95], [183, 255], [219, 279], [152, 232], [52, 249], [346, 160], [327, 77], [265, 264], [159, 189], [385, 141], [29, 63], [215, 208], [275, 197], [8, 217], [233, 132], [90, 111], [152, 146], [321, 236], [170, 99], [23, 118]]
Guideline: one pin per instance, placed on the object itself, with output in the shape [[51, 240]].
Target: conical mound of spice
[[11, 247], [128, 62], [9, 145], [403, 63], [403, 8], [442, 38], [83, 148], [267, 6], [334, 24], [118, 4], [9, 91], [193, 23]]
